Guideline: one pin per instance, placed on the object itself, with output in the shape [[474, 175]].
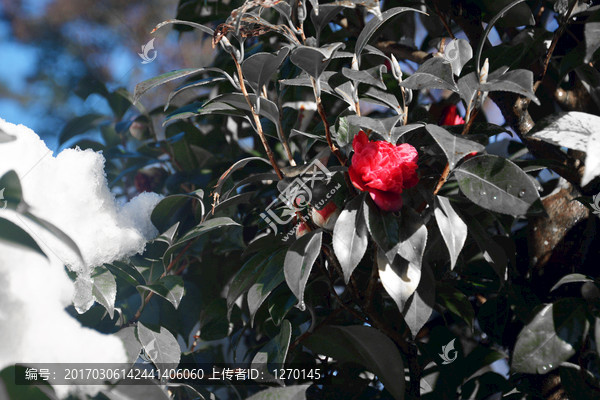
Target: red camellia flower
[[384, 170], [450, 116]]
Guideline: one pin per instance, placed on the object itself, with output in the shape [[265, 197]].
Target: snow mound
[[70, 191]]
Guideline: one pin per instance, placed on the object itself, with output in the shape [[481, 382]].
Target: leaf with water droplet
[[483, 179]]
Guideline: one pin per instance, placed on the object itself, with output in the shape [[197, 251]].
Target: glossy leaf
[[161, 347], [168, 287], [259, 67], [458, 52], [383, 227], [452, 227], [435, 73], [366, 346], [419, 306], [104, 289], [15, 235], [413, 237], [142, 87], [399, 278], [454, 147], [575, 130], [374, 24], [518, 81], [571, 278], [79, 125], [496, 184], [269, 278], [131, 343], [350, 237], [299, 261], [313, 60], [208, 226], [554, 335], [456, 302]]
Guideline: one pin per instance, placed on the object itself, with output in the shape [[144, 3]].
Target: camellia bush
[[340, 217]]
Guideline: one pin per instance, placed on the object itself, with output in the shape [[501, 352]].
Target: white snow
[[71, 192]]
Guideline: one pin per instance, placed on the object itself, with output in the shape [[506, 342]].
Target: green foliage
[[243, 271]]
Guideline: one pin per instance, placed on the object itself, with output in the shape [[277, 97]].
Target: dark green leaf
[[208, 226], [399, 278], [299, 261], [313, 60], [161, 348], [496, 184], [127, 272], [374, 24], [366, 346], [11, 193], [575, 130], [350, 236], [458, 52], [454, 147], [456, 302], [131, 343], [570, 279], [419, 307], [259, 67], [56, 232], [269, 278], [413, 238], [519, 81], [12, 233], [383, 227], [435, 73], [79, 125], [151, 83], [104, 289], [452, 227], [554, 335], [169, 287]]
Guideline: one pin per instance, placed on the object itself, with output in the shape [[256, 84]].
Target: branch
[[259, 129]]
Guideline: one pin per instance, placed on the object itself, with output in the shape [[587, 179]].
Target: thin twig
[[259, 129]]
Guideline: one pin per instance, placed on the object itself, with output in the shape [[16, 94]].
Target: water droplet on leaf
[[522, 193]]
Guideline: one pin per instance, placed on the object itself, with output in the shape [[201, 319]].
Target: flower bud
[[326, 217]]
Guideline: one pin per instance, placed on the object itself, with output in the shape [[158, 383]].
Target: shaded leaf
[[399, 278], [299, 261], [15, 235], [350, 237], [366, 346], [454, 147], [79, 125], [435, 73], [168, 287], [151, 83], [419, 306], [518, 81], [259, 67], [104, 289], [452, 227], [269, 278], [575, 130], [374, 24], [496, 184], [161, 348], [313, 60], [553, 335]]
